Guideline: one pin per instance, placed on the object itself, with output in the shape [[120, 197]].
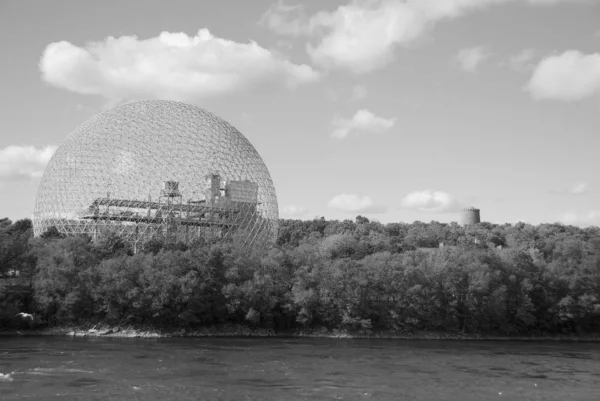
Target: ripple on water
[[272, 369], [500, 369], [573, 355], [59, 370], [5, 377], [83, 382], [534, 376], [529, 363], [207, 360]]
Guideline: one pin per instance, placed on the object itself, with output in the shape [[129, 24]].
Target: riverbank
[[318, 332]]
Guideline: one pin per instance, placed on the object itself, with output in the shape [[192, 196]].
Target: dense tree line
[[357, 275]]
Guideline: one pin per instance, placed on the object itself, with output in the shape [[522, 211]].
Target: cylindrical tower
[[470, 215]]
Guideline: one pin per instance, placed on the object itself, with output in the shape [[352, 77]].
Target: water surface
[[63, 368]]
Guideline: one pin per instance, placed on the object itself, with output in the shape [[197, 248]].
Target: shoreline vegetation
[[239, 331], [330, 279]]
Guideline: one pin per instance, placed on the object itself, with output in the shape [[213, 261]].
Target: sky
[[397, 110]]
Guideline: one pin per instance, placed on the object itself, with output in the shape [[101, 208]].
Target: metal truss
[[158, 169]]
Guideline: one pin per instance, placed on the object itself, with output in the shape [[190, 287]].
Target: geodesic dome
[[158, 169]]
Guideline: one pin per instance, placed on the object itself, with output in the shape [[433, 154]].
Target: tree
[[15, 260]]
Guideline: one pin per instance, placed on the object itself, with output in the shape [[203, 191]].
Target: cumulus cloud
[[552, 2], [470, 58], [294, 211], [591, 218], [522, 61], [286, 19], [362, 121], [363, 35], [18, 162], [352, 203], [569, 76], [430, 201], [359, 92], [171, 66], [579, 188]]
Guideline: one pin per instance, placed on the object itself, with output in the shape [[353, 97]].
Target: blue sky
[[397, 110]]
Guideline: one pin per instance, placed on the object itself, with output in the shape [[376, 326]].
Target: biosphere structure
[[158, 169]]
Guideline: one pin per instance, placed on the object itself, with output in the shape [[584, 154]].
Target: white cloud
[[294, 211], [591, 218], [430, 201], [359, 92], [552, 2], [569, 76], [470, 58], [285, 44], [579, 188], [363, 35], [171, 66], [362, 121], [24, 161], [522, 61], [286, 19], [352, 203]]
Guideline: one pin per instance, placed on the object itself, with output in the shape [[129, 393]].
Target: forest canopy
[[352, 274]]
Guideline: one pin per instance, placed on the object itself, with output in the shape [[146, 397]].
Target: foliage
[[357, 275]]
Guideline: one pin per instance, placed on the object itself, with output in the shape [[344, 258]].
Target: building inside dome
[[158, 169]]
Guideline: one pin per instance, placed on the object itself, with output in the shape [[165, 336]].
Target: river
[[64, 368]]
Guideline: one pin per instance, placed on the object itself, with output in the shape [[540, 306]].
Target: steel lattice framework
[[158, 169]]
